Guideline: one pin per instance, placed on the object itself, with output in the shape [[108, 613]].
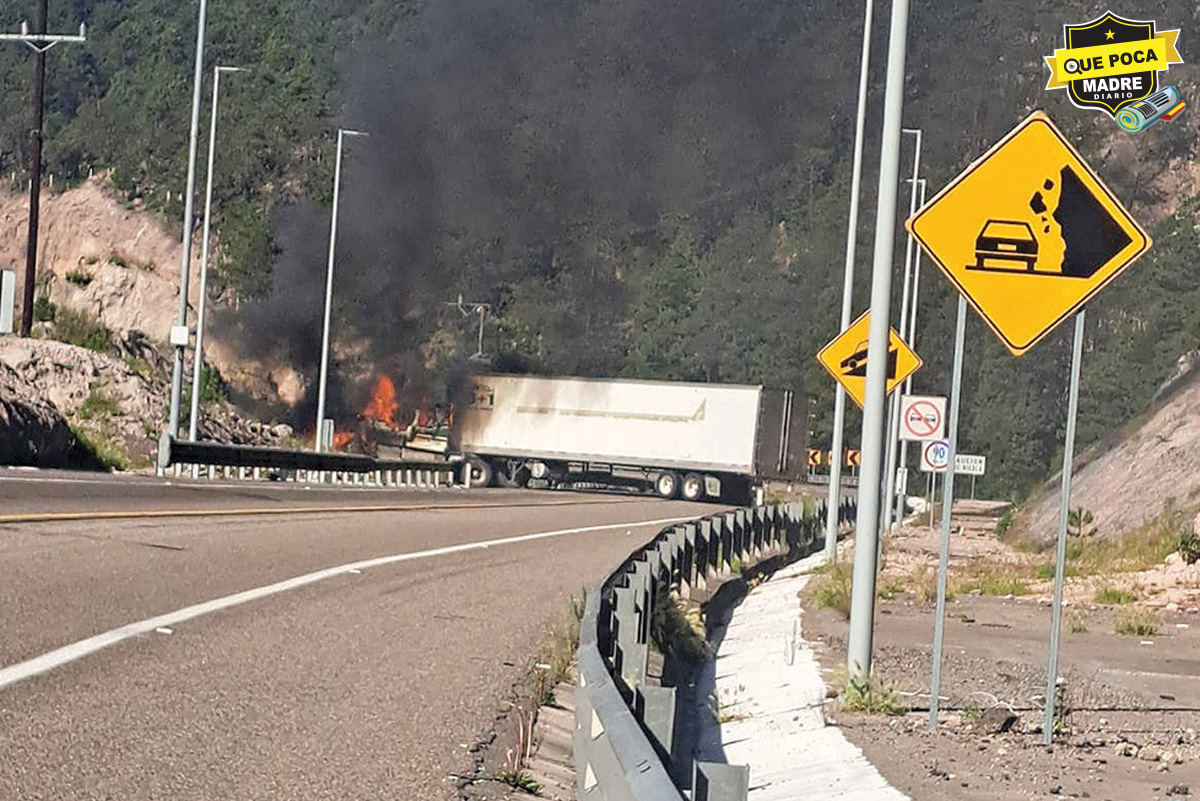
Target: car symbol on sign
[[856, 363], [1006, 246]]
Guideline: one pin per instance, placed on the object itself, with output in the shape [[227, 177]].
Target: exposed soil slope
[[1132, 476]]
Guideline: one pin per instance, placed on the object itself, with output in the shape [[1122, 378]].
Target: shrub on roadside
[[83, 330]]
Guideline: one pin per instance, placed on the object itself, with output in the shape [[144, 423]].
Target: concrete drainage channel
[[242, 462], [624, 727]]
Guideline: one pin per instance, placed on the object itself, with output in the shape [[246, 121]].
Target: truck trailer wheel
[[692, 488], [481, 471], [666, 484]]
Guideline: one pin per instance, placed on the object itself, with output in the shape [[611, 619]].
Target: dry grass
[[1138, 622], [1112, 594], [992, 580]]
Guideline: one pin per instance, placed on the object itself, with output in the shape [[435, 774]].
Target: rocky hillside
[[1143, 470], [117, 263], [55, 397]]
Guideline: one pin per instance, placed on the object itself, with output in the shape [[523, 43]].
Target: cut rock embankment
[[1134, 475], [54, 395], [32, 432]]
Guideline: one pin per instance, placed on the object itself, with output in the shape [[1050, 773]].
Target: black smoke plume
[[505, 132]]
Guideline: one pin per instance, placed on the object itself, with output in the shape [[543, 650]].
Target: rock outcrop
[[32, 432], [116, 407]]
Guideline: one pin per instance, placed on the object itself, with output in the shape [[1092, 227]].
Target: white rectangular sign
[[968, 465], [922, 418], [8, 293]]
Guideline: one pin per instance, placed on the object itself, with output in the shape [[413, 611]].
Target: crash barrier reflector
[[216, 460], [624, 727]]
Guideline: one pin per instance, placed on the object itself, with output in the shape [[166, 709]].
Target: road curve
[[364, 684]]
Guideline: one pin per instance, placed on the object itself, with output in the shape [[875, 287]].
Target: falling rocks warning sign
[[1028, 233]]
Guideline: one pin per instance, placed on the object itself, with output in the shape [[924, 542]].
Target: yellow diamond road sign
[[846, 359], [1028, 233]]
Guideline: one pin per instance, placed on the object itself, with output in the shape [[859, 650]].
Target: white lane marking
[[77, 650], [146, 481]]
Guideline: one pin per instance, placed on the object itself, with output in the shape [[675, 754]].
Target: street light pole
[[910, 336], [318, 445], [179, 335], [894, 413], [839, 403], [198, 354], [866, 535]]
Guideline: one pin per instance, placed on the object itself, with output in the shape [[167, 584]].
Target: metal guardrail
[[216, 460], [624, 727]]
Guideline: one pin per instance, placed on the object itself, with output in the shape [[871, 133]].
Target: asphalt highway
[[367, 682]]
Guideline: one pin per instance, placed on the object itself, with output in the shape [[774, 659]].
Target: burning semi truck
[[695, 441]]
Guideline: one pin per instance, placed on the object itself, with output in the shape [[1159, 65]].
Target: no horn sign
[[922, 418]]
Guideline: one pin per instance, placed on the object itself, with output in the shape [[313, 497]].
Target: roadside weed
[[1111, 594], [520, 780], [1138, 622], [677, 627], [870, 695], [832, 590]]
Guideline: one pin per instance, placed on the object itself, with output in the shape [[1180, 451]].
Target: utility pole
[[40, 42], [910, 336], [893, 430]]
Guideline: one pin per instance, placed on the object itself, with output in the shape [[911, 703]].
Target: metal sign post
[[1061, 551], [939, 620], [1028, 234]]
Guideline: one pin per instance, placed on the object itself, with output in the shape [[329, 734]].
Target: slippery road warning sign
[[922, 418], [1028, 233], [846, 359]]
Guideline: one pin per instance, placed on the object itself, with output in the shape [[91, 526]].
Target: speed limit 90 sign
[[935, 456]]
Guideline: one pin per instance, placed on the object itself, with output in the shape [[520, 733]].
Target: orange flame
[[383, 404], [341, 439]]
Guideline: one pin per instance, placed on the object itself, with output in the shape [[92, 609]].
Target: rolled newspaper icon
[[1136, 117]]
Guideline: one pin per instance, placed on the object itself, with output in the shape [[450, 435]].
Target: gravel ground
[[1128, 732]]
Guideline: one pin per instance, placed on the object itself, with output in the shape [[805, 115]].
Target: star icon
[[1108, 35]]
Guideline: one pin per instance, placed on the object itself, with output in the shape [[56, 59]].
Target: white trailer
[[692, 440]]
